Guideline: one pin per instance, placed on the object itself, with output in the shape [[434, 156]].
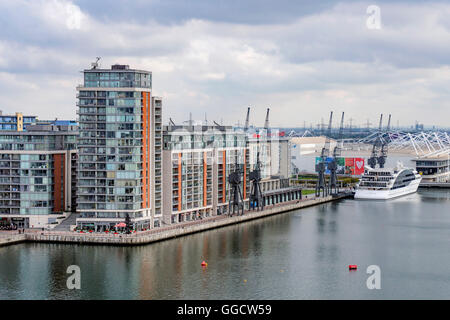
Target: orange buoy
[[352, 267], [204, 264]]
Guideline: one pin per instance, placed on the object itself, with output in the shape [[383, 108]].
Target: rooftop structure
[[57, 122], [119, 76], [16, 122], [423, 144]]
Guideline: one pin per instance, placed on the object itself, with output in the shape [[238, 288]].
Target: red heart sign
[[359, 164]]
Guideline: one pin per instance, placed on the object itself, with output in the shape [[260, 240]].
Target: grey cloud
[[176, 11], [297, 57]]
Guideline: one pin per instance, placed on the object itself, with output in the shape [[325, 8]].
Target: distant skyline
[[300, 58]]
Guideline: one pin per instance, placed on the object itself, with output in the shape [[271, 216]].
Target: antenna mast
[[95, 64]]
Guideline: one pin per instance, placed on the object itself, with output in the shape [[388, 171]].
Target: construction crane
[[384, 145], [321, 166], [372, 161], [332, 166]]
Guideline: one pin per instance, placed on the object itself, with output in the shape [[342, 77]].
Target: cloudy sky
[[300, 58]]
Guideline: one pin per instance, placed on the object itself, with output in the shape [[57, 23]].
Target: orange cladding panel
[[179, 182], [144, 150], [224, 161], [146, 168], [205, 172], [149, 111], [245, 176], [58, 189]]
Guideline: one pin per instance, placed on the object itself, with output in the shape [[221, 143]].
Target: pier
[[172, 231]]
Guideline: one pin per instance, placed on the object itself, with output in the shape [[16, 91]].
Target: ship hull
[[388, 194]]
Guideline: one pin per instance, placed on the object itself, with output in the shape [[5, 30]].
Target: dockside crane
[[247, 118], [326, 148], [217, 124], [338, 148], [256, 196], [372, 161], [266, 123], [332, 166], [321, 166], [235, 179], [384, 141]]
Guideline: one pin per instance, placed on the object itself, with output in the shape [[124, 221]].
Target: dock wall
[[7, 239], [177, 231], [435, 185]]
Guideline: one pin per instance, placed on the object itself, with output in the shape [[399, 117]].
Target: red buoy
[[352, 267]]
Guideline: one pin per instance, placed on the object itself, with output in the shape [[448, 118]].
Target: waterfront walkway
[[65, 225], [170, 231]]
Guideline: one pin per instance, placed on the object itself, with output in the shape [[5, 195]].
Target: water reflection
[[302, 254]]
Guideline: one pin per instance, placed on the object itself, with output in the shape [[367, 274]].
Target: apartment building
[[37, 173], [197, 160], [120, 149], [284, 157], [274, 153], [16, 122]]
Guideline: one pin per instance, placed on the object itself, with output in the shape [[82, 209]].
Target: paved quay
[[172, 231]]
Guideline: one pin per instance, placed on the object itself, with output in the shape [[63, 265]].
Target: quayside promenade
[[163, 233]]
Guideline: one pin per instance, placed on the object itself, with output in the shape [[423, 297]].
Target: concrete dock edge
[[142, 239], [6, 239]]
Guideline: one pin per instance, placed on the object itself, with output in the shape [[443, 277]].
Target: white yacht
[[385, 183]]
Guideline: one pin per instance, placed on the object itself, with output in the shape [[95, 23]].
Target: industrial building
[[310, 145]]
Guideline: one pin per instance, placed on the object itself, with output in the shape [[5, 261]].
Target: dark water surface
[[299, 255]]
